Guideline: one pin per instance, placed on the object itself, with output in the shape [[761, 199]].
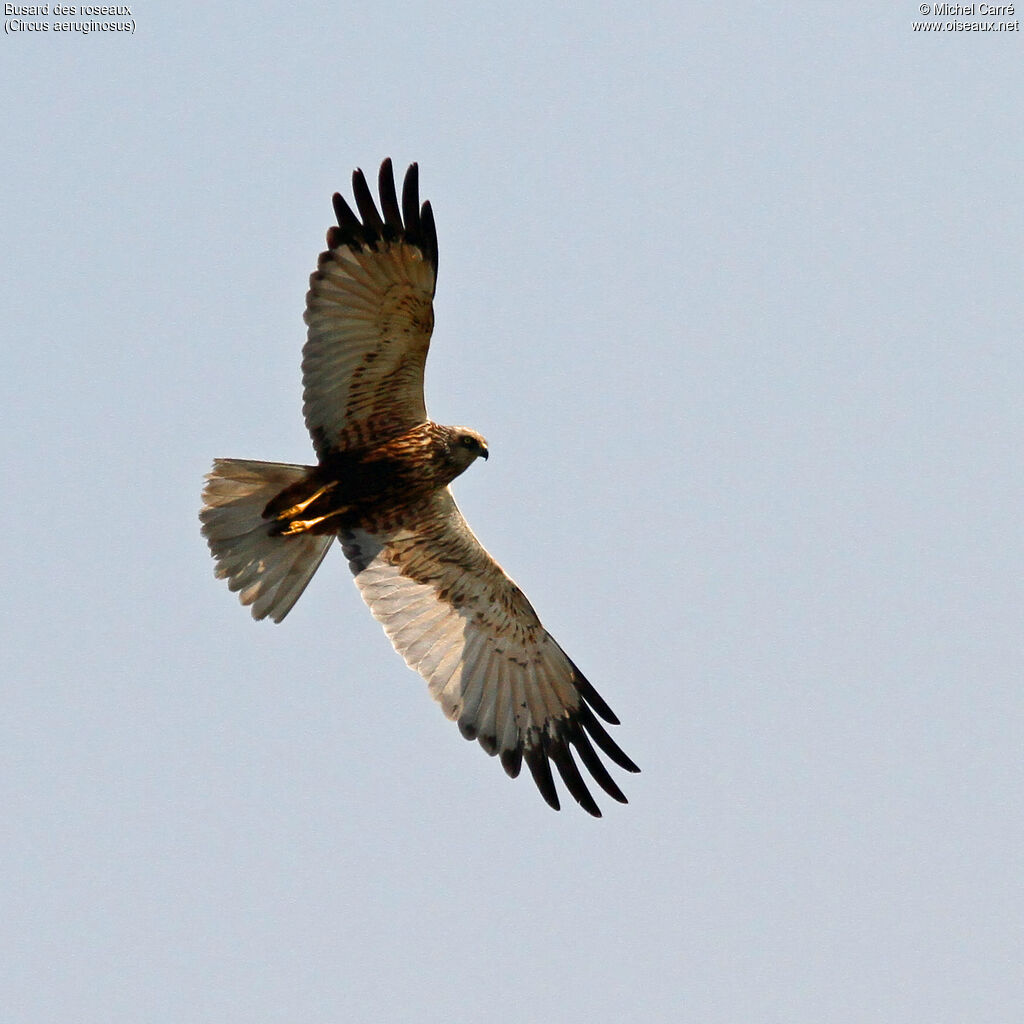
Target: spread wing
[[369, 311], [458, 620]]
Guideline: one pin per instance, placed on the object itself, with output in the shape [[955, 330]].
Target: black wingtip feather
[[558, 750], [512, 761], [389, 199], [403, 220], [600, 736], [372, 223], [428, 234], [559, 744], [411, 201], [594, 764], [347, 220], [591, 696], [540, 768]]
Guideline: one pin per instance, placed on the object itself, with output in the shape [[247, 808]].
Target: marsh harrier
[[380, 486]]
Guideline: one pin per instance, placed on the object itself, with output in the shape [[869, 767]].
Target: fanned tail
[[270, 570]]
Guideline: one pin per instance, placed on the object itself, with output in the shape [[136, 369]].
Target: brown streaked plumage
[[381, 487]]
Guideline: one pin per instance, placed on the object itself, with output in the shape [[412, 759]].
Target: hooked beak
[[483, 452]]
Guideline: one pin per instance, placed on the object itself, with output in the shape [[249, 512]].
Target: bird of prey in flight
[[380, 486]]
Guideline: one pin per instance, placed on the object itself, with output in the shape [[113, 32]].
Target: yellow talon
[[303, 505]]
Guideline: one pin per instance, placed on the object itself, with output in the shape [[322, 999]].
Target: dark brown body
[[371, 487]]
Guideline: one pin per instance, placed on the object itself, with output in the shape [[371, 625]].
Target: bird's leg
[[297, 526], [288, 525], [294, 510]]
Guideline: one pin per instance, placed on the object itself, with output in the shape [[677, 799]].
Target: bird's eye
[[468, 442]]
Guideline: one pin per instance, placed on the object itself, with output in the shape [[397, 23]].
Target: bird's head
[[465, 446]]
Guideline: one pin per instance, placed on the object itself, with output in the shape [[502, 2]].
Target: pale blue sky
[[735, 295]]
